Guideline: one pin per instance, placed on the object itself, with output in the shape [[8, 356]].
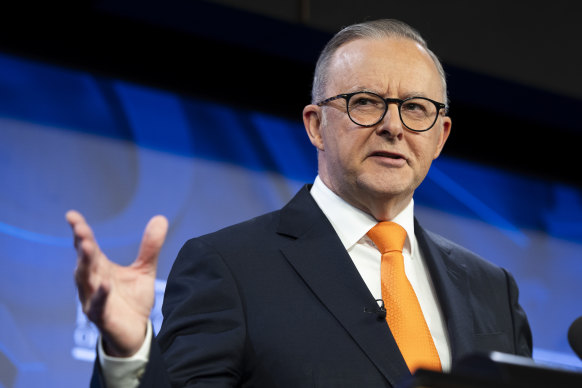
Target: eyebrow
[[403, 96], [414, 94]]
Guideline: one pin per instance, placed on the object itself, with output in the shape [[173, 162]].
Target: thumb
[[151, 243]]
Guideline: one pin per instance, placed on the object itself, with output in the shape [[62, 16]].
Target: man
[[289, 299]]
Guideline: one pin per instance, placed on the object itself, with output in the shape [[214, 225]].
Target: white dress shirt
[[125, 372], [352, 226]]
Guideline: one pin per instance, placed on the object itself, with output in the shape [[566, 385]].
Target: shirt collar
[[350, 223]]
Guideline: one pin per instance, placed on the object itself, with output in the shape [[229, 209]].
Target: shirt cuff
[[125, 372]]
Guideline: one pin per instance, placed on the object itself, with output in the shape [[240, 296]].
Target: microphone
[[575, 336], [380, 311]]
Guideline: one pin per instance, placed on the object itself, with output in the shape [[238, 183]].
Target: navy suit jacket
[[277, 302]]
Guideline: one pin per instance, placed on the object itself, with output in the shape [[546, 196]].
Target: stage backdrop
[[121, 153]]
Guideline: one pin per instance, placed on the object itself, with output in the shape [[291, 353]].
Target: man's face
[[385, 163]]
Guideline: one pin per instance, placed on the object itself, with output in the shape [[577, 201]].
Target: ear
[[312, 121], [443, 135]]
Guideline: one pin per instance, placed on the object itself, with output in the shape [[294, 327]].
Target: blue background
[[121, 152]]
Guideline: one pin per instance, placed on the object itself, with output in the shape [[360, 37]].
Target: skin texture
[[117, 299], [376, 169]]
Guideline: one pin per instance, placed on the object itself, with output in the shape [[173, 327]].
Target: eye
[[365, 101], [412, 106], [417, 108], [358, 100]]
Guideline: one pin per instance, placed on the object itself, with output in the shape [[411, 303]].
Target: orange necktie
[[403, 312]]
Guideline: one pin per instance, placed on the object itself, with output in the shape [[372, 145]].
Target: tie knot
[[388, 236]]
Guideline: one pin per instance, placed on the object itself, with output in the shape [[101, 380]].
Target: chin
[[385, 189], [387, 182]]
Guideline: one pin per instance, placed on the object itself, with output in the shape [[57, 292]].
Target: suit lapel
[[449, 276], [318, 256]]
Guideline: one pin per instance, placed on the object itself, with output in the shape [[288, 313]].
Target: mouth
[[389, 155], [388, 159]]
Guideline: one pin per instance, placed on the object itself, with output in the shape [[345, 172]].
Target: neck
[[382, 207]]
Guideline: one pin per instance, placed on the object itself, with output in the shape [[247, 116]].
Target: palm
[[117, 299]]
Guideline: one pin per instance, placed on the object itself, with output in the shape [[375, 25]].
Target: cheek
[[425, 151], [345, 153], [341, 139], [353, 144]]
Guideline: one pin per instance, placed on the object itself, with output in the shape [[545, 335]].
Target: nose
[[391, 125]]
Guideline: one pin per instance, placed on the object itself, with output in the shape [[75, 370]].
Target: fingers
[[81, 230], [151, 243], [117, 298], [84, 240], [87, 276]]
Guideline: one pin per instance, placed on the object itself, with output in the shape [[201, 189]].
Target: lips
[[386, 154]]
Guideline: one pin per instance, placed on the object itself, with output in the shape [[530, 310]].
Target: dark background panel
[[256, 56]]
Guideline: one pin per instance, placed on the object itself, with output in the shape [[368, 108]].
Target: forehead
[[393, 66]]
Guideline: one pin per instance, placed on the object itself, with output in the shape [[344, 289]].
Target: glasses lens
[[366, 108], [418, 114]]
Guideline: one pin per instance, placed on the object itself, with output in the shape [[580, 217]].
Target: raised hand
[[117, 299]]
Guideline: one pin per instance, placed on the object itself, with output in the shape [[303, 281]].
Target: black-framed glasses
[[367, 109]]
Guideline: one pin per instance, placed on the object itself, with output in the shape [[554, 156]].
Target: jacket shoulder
[[464, 256]]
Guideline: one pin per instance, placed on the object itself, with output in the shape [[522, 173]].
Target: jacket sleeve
[[521, 329], [202, 338]]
